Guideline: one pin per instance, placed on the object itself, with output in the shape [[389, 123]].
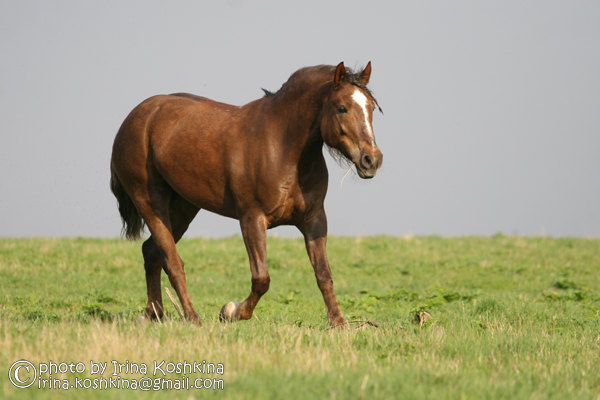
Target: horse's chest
[[285, 206]]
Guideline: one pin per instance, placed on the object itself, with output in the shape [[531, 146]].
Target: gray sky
[[492, 108]]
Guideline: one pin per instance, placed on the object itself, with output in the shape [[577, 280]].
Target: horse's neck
[[299, 117]]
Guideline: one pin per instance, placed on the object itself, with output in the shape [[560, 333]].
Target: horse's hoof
[[194, 319], [230, 312], [338, 323]]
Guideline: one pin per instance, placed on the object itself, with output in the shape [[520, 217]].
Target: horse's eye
[[342, 110]]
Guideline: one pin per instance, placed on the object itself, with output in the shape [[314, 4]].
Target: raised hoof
[[230, 312]]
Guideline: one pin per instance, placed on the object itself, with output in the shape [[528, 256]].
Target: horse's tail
[[133, 224]]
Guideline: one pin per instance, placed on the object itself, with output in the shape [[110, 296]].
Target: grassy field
[[512, 317]]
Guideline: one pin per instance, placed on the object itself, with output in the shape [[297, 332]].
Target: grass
[[512, 317]]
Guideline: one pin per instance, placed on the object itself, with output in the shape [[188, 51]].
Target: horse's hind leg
[[254, 231], [153, 265], [154, 205], [181, 213]]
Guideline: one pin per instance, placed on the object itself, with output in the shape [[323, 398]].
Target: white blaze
[[359, 97]]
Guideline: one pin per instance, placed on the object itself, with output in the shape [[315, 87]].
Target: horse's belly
[[197, 173], [203, 192]]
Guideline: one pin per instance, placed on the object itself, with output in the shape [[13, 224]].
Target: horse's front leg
[[254, 231], [315, 238]]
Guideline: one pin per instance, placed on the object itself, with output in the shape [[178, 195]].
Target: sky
[[491, 108]]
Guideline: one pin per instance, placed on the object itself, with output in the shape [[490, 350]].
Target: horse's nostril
[[367, 161]]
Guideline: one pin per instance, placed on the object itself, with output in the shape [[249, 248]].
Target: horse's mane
[[309, 76]]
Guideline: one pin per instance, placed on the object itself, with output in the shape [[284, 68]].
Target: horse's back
[[184, 139], [190, 96], [202, 99], [162, 117]]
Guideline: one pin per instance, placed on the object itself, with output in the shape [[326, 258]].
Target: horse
[[261, 163]]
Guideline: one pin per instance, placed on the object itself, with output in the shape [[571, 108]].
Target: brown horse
[[261, 164]]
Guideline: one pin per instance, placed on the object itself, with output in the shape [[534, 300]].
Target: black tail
[[133, 224]]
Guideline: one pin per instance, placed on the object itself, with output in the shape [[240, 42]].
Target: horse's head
[[346, 120]]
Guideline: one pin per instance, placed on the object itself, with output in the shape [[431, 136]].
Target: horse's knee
[[324, 278], [260, 284]]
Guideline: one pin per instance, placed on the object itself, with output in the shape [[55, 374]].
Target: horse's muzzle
[[370, 161]]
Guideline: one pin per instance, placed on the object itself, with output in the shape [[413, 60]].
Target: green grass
[[512, 317]]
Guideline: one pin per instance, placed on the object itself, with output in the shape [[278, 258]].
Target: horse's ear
[[366, 74], [340, 73]]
